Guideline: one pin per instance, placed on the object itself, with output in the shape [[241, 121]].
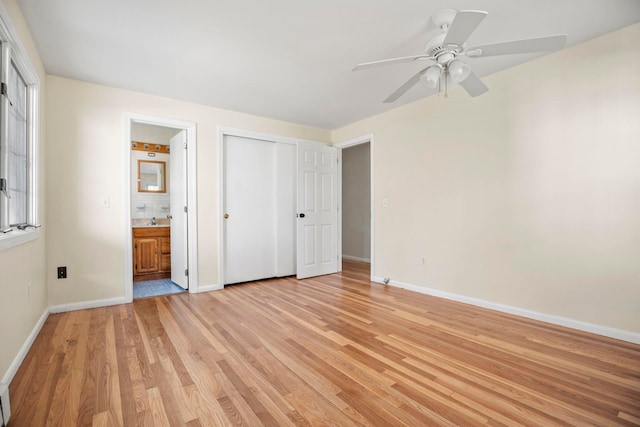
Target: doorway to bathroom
[[159, 261]]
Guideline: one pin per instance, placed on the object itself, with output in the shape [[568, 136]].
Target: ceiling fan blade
[[464, 23], [473, 85], [405, 87], [541, 44], [373, 64]]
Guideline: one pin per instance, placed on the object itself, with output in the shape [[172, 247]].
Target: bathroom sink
[[147, 223]]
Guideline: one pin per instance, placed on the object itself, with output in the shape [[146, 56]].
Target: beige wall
[[86, 161], [23, 285], [527, 196], [356, 202]]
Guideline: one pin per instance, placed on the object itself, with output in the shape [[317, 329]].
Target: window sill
[[18, 237]]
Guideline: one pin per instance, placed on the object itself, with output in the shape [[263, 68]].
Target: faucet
[[153, 221]]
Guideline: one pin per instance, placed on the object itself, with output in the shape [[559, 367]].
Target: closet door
[[286, 214], [250, 194]]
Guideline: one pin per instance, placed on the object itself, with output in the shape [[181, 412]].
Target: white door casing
[[192, 236], [178, 203], [364, 139], [317, 222]]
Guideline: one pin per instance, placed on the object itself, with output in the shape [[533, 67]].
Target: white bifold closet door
[[259, 198]]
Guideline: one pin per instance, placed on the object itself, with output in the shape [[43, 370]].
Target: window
[[18, 147]]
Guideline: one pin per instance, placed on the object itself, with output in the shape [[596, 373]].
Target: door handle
[[301, 215], [226, 216]]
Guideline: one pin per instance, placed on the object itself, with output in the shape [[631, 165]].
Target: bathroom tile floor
[[151, 288]]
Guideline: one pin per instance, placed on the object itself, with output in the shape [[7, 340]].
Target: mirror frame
[[163, 172]]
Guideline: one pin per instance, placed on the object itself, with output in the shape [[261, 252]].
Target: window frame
[[16, 54]]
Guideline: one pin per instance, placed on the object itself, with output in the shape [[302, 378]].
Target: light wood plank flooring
[[334, 350]]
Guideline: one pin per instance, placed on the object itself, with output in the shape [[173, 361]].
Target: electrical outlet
[[62, 272]]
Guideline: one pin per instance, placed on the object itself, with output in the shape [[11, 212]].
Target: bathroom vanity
[[151, 253]]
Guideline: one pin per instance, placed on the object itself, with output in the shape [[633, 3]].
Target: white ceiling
[[285, 59]]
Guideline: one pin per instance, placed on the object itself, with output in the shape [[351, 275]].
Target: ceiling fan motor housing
[[445, 57], [435, 48], [434, 45]]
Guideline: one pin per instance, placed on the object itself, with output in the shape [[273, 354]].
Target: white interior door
[[317, 229], [250, 194], [178, 204]]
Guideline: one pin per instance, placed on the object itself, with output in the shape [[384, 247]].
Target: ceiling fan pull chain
[[446, 87]]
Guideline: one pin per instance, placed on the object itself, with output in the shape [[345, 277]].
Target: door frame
[[340, 146], [228, 131], [192, 214]]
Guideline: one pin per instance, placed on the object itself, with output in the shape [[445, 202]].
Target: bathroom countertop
[[146, 223]]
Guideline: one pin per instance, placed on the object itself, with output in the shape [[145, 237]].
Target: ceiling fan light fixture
[[431, 76], [458, 70]]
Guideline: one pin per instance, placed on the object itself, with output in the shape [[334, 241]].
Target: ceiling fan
[[448, 43]]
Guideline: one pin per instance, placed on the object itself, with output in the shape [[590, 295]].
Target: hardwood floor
[[334, 350]]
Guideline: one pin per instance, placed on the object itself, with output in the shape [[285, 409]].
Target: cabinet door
[[165, 262], [165, 245], [146, 251], [165, 253]]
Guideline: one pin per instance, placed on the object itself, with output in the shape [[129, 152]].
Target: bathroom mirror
[[152, 176]]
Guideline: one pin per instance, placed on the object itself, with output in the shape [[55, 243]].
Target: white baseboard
[[5, 404], [353, 258], [17, 361], [207, 288], [87, 304], [606, 331]]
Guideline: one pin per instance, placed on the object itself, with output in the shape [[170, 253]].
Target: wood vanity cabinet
[[151, 253]]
